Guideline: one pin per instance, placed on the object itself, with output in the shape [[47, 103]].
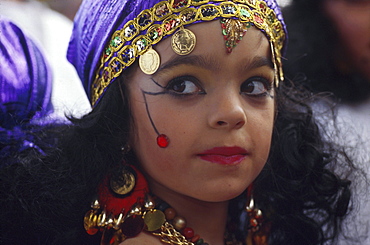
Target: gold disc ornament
[[90, 222], [183, 41], [149, 61], [154, 219], [124, 184]]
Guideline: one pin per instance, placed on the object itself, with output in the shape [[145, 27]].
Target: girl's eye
[[184, 86], [256, 86]]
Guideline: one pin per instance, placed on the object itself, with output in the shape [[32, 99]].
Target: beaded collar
[[124, 212], [164, 18], [154, 216]]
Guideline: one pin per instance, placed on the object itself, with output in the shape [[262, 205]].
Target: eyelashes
[[257, 86], [179, 87], [184, 86]]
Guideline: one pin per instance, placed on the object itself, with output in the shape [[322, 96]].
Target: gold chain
[[170, 235]]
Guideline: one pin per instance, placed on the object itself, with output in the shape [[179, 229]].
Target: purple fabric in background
[[96, 21], [25, 79]]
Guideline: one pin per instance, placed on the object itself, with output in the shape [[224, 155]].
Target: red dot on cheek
[[163, 141]]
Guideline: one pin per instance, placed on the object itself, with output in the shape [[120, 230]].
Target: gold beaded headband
[[166, 17]]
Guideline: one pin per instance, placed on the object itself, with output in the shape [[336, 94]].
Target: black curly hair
[[311, 58], [44, 197]]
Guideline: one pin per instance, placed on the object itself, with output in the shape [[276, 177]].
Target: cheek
[[143, 133], [144, 141], [166, 166], [262, 133], [259, 129], [155, 118]]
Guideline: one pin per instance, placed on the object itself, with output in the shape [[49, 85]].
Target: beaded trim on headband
[[165, 17]]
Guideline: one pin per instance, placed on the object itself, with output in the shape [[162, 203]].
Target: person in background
[[329, 52], [51, 30], [330, 46], [65, 7], [25, 89]]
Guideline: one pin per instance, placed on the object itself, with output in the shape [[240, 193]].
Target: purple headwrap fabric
[[96, 21], [25, 87], [93, 26], [25, 78]]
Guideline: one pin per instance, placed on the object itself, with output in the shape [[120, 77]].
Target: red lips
[[224, 155]]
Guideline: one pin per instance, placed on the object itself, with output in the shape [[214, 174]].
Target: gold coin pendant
[[124, 187], [149, 61], [183, 41]]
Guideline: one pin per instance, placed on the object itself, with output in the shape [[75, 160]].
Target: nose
[[227, 111]]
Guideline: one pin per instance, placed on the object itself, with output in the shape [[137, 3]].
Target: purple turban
[[25, 89], [95, 23], [25, 78]]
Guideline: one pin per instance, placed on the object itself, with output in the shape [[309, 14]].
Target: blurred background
[[49, 24], [66, 7]]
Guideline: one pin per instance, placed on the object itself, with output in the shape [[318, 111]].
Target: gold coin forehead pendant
[[183, 41], [150, 61]]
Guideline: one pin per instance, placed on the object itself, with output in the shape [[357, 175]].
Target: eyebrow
[[259, 61], [208, 63]]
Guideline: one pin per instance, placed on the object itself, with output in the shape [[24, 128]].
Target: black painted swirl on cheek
[[162, 139]]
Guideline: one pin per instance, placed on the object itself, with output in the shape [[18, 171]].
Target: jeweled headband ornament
[[138, 36], [233, 32], [141, 24]]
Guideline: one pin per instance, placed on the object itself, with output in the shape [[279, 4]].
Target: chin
[[222, 194]]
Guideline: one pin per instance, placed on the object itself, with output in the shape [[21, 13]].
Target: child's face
[[217, 110]]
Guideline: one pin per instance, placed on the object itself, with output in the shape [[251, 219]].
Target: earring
[[254, 214], [258, 229], [117, 210], [91, 217], [122, 192], [124, 183]]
